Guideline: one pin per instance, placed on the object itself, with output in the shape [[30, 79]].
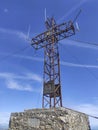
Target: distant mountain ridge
[[3, 128], [94, 128]]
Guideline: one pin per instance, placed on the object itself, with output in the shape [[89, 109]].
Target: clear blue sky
[[21, 71]]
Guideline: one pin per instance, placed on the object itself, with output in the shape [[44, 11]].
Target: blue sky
[[21, 70]]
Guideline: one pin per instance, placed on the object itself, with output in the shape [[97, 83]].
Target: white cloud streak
[[68, 64], [14, 85], [19, 82], [39, 59], [78, 65], [27, 76], [63, 63], [19, 34], [23, 36], [78, 44]]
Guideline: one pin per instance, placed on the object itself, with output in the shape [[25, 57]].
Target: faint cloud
[[26, 76], [19, 34], [78, 65], [19, 82], [78, 44], [15, 85], [69, 64], [23, 36], [39, 59], [6, 75], [34, 77], [12, 84], [35, 58], [5, 10]]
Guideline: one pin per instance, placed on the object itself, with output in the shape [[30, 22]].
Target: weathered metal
[[48, 40]]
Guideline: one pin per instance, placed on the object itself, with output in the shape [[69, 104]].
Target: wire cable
[[88, 43], [96, 117], [87, 69]]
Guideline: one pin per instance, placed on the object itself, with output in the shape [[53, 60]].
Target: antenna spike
[[77, 16]]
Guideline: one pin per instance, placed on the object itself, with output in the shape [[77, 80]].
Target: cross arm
[[59, 32]]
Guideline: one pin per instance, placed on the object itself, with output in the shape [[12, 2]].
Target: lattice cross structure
[[48, 40]]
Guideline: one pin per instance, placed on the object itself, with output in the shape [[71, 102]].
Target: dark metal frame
[[48, 40]]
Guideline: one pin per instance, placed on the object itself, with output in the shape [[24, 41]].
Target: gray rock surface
[[49, 119]]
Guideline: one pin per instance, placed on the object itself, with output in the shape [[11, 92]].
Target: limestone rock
[[49, 119]]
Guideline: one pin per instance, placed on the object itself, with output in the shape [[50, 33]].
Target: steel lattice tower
[[48, 40]]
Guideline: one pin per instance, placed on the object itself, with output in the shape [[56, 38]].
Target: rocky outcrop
[[49, 119]]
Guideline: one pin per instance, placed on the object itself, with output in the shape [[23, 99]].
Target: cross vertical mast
[[51, 83], [48, 40]]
